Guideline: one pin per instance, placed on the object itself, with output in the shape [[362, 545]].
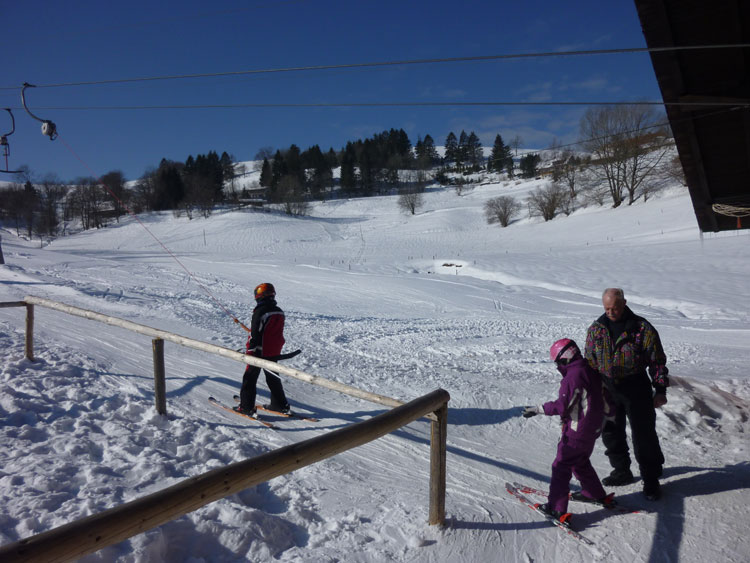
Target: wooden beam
[[438, 448], [213, 349], [160, 392], [30, 332], [74, 540], [8, 304]]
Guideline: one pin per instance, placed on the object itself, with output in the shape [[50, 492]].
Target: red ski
[[615, 506], [535, 507]]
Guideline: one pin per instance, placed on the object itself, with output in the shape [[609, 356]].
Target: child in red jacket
[[265, 341]]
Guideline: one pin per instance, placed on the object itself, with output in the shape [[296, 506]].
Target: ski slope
[[394, 304]]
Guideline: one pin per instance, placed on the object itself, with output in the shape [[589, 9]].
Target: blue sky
[[48, 43]]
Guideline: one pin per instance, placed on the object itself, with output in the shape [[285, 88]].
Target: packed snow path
[[392, 304]]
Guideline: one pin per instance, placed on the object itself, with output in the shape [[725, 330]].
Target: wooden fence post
[[30, 332], [438, 435], [160, 393]]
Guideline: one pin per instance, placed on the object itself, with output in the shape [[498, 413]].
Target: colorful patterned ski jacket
[[266, 330], [583, 403], [637, 349]]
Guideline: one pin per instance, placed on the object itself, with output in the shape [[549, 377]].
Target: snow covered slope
[[398, 305]]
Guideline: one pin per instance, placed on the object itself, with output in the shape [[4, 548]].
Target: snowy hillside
[[398, 305]]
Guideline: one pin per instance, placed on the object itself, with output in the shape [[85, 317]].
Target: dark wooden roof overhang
[[713, 140]]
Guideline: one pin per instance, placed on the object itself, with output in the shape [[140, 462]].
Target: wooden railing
[[90, 534], [29, 302], [76, 539]]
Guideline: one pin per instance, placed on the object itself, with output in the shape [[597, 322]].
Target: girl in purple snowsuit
[[583, 404]]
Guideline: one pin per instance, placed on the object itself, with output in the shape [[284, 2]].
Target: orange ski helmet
[[264, 290]]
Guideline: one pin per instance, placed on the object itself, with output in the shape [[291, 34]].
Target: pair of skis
[[614, 506], [214, 401], [520, 492], [515, 490]]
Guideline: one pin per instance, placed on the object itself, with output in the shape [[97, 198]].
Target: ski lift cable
[[377, 64], [159, 242], [706, 103]]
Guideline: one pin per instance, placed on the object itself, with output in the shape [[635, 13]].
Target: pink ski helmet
[[563, 349]]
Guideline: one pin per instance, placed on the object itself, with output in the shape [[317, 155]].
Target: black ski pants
[[634, 403], [249, 383]]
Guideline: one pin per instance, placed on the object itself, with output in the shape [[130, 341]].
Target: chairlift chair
[[6, 146]]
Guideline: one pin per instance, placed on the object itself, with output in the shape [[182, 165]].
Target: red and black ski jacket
[[266, 330]]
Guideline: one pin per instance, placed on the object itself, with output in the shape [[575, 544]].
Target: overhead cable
[[706, 103], [478, 58]]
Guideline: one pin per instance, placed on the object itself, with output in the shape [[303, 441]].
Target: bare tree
[[627, 145], [410, 199], [263, 153], [673, 171], [51, 194], [144, 194], [567, 171], [114, 182], [463, 185], [547, 201], [291, 197], [516, 142], [501, 210], [87, 201]]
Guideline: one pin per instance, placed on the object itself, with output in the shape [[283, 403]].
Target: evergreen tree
[[348, 163], [189, 165], [278, 169], [499, 156], [332, 158], [294, 165], [368, 167], [528, 165], [451, 148], [429, 150], [169, 187], [321, 175], [227, 167], [419, 148], [474, 154], [265, 174], [462, 152]]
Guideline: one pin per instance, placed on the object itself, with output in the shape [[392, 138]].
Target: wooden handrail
[[219, 350], [76, 539]]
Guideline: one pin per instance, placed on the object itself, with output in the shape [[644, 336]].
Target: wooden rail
[[154, 333], [74, 540]]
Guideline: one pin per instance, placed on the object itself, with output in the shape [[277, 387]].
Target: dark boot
[[562, 517], [618, 478], [282, 409], [247, 412], [607, 501], [651, 489]]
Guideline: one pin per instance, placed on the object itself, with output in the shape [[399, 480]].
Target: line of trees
[[627, 149], [197, 185], [624, 159]]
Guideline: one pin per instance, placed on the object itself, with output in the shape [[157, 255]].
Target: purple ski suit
[[582, 405]]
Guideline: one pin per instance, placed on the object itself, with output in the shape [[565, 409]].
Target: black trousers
[[634, 403], [249, 382]]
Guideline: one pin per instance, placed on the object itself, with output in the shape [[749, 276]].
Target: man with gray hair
[[626, 350]]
